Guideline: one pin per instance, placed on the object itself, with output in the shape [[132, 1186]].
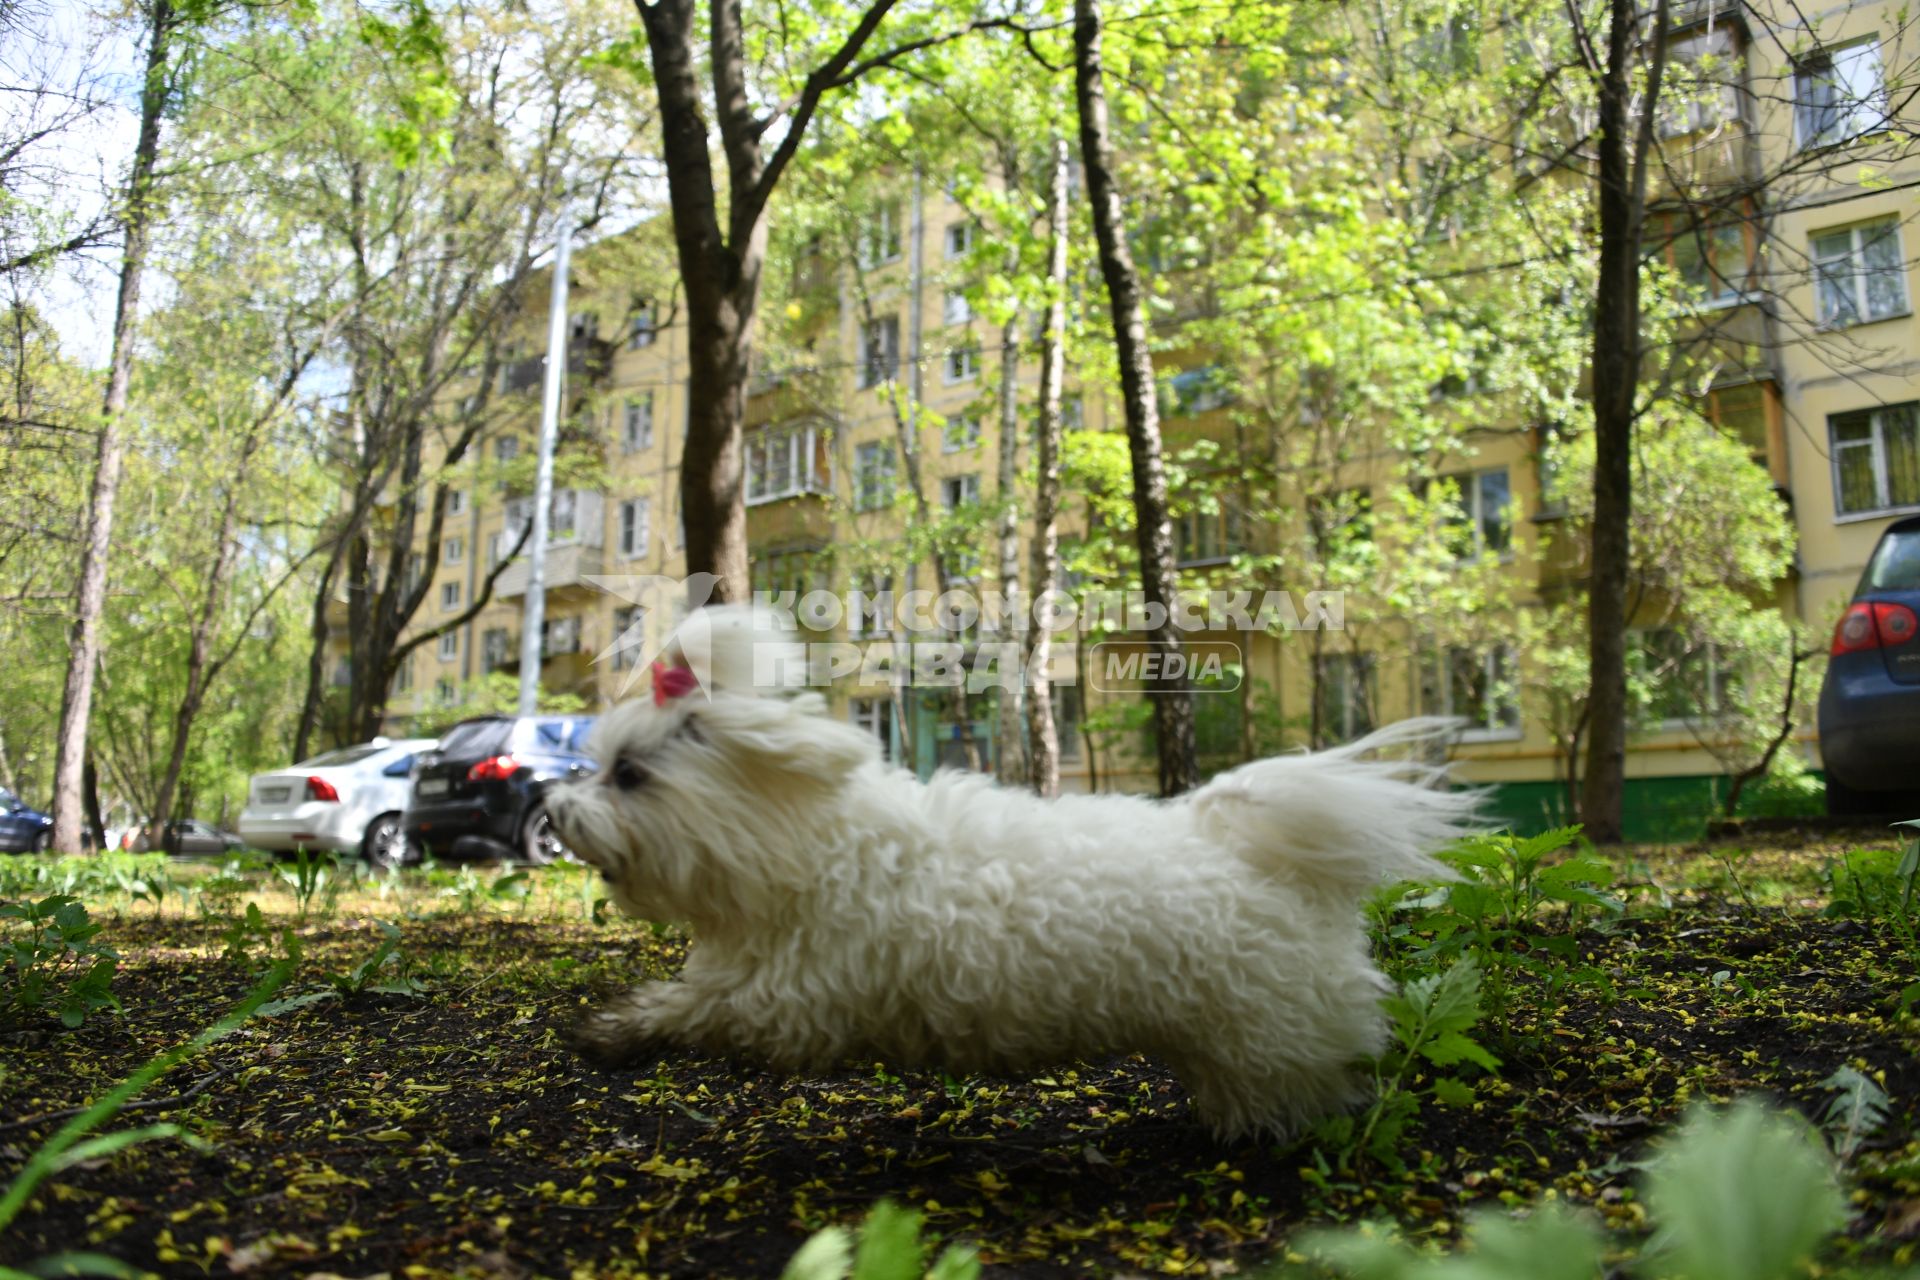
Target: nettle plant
[[56, 962], [1882, 888], [1517, 910]]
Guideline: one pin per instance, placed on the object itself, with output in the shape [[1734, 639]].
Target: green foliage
[[1879, 886], [56, 962], [1856, 1112], [889, 1248], [1743, 1193], [72, 1145], [387, 971]]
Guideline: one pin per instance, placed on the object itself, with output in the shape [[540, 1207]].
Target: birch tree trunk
[[1043, 736]]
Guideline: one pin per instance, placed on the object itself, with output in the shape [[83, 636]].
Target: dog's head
[[712, 786]]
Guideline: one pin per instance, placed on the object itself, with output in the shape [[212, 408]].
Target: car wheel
[[540, 843], [43, 842], [385, 845]]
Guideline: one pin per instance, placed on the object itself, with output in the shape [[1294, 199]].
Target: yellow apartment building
[[1805, 297]]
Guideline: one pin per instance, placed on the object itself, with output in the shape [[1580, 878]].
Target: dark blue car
[[480, 793], [1870, 703], [23, 830]]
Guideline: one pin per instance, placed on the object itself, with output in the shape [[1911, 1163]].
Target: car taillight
[[497, 769], [321, 789], [1874, 624]]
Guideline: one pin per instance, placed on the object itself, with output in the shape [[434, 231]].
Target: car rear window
[[476, 738], [345, 755], [569, 734], [1896, 565]]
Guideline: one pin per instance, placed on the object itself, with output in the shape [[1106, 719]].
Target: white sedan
[[346, 801]]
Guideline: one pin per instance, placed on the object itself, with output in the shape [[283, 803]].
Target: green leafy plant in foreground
[[386, 971], [1515, 912], [890, 1248], [1882, 887], [1430, 1018], [76, 1141], [56, 961], [1744, 1193]]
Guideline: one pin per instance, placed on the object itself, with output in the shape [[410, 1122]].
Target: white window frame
[[1876, 445], [450, 646], [636, 430], [1351, 666], [959, 238], [961, 365], [506, 448], [444, 692], [453, 550], [627, 656], [879, 351], [955, 309], [1473, 502], [489, 659], [1864, 112], [1859, 236], [1491, 659], [960, 433], [880, 239], [641, 331], [873, 472], [1717, 671], [957, 491], [874, 716], [784, 462], [456, 502], [449, 597], [870, 608], [634, 531]]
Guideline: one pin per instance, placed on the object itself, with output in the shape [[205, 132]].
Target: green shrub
[[56, 961]]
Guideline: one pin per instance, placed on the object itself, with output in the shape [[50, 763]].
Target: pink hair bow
[[672, 682]]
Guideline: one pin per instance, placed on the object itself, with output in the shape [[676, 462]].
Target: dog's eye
[[627, 775]]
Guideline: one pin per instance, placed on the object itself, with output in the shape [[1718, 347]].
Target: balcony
[[569, 565]]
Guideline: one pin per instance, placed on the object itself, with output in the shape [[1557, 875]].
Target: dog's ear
[[791, 740]]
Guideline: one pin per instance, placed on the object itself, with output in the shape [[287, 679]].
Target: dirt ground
[[452, 1132]]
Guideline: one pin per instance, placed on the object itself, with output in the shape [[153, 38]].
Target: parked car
[[23, 829], [480, 794], [192, 836], [346, 801], [1870, 702]]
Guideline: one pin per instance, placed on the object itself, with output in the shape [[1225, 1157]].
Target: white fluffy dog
[[841, 908]]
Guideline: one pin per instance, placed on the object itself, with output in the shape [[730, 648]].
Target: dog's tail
[[1344, 820]]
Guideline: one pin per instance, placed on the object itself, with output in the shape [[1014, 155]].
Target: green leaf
[[1450, 1092], [825, 1256], [1744, 1194], [889, 1245], [1449, 1048]]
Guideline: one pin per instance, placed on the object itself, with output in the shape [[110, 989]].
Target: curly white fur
[[840, 907]]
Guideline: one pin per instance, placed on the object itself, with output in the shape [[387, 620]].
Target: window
[[872, 475], [1066, 719], [880, 236], [961, 432], [1343, 695], [500, 545], [636, 519], [627, 647], [506, 448], [585, 326], [787, 460], [1876, 459], [640, 327], [962, 365], [1741, 412], [453, 551], [449, 646], [870, 608], [795, 569], [495, 648], [1480, 520], [1202, 536], [960, 239], [560, 635], [1710, 258], [416, 570], [1676, 678], [449, 596], [958, 491], [956, 309], [1858, 274], [1073, 413], [637, 432], [1702, 89], [874, 716], [444, 692], [1198, 391], [1478, 685], [1839, 94], [456, 502], [879, 351]]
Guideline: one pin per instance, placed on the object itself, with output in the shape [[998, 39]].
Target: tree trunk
[[1171, 699], [1010, 764], [1043, 736], [76, 704], [317, 656], [1624, 143]]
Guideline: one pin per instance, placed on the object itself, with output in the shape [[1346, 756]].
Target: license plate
[[433, 786], [275, 795]]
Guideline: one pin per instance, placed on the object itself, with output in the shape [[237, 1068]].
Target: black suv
[[479, 794]]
